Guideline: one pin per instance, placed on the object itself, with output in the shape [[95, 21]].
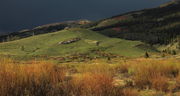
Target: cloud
[[25, 14], [2, 32]]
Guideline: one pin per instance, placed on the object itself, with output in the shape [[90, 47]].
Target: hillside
[[130, 34], [43, 29], [133, 54], [89, 43], [159, 25]]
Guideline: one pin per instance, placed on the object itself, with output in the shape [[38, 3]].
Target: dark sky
[[24, 14]]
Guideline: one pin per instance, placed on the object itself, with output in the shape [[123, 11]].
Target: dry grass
[[130, 92], [96, 78], [46, 79], [36, 79], [155, 74], [89, 84]]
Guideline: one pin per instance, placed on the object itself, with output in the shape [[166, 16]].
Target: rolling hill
[[155, 26], [43, 29], [89, 42], [131, 34]]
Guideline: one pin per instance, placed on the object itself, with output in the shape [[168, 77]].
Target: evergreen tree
[[146, 55], [173, 52]]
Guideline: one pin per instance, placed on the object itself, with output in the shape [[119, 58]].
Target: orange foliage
[[36, 79], [96, 78]]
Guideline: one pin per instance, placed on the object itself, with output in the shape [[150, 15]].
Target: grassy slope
[[154, 26], [47, 44]]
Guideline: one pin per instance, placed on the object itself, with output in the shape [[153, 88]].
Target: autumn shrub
[[96, 68], [36, 79], [95, 78], [122, 68], [43, 78], [130, 92], [178, 82], [160, 83], [92, 85], [155, 74]]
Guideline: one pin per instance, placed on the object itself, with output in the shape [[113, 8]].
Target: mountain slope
[[49, 44], [130, 34], [154, 26], [48, 28]]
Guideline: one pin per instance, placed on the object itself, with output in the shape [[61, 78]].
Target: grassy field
[[99, 58], [47, 44], [117, 77]]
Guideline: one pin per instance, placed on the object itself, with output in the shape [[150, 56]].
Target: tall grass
[[152, 73], [156, 74], [48, 79], [36, 79], [43, 78]]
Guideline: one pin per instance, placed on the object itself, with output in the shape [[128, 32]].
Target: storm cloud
[[23, 14]]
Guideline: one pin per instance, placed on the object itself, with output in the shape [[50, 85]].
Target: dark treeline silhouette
[[157, 25]]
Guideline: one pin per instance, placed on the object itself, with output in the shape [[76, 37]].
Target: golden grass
[[130, 92], [89, 84], [36, 79], [95, 78], [155, 74]]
